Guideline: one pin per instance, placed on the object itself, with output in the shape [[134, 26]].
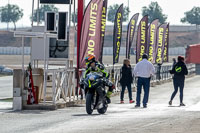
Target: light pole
[[81, 4], [32, 13], [38, 6], [128, 9]]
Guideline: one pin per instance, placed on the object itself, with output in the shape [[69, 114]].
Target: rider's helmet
[[90, 58]]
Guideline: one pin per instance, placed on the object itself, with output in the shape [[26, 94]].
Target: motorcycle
[[92, 85]]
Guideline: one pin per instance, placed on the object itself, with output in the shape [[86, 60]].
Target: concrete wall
[[172, 51], [14, 50], [107, 51]]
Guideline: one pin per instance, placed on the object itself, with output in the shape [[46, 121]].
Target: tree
[[154, 11], [11, 13], [112, 11], [192, 16], [42, 10]]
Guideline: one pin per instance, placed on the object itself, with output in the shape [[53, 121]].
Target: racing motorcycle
[[92, 85]]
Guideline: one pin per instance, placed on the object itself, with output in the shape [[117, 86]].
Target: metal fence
[[164, 74], [64, 81], [63, 85]]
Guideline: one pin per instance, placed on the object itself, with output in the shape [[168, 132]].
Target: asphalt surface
[[159, 117]]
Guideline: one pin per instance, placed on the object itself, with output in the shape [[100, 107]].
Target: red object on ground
[[31, 89], [193, 54], [30, 96]]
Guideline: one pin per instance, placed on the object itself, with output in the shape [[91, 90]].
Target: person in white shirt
[[143, 71]]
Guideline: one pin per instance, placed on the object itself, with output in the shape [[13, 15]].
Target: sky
[[174, 9]]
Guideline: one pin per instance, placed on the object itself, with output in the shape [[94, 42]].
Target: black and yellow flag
[[166, 47], [117, 34], [103, 28]]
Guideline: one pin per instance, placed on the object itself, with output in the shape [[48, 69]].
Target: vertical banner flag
[[166, 48], [160, 43], [130, 34], [91, 31], [151, 40], [103, 27], [117, 34], [141, 43]]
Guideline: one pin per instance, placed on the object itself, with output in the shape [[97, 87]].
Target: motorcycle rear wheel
[[102, 110]]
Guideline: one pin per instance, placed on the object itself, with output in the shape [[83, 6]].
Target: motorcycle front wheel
[[89, 103]]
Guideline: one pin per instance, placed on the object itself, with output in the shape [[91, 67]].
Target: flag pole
[[79, 24]]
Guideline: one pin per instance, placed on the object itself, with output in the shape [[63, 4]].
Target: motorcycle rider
[[94, 66]]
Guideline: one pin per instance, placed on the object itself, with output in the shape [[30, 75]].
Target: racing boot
[[108, 95], [100, 104]]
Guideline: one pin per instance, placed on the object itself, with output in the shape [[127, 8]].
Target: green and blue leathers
[[98, 68]]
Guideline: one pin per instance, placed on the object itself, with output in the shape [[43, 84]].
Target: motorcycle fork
[[96, 99]]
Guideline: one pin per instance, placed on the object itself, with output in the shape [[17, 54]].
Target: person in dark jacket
[[126, 80], [179, 70]]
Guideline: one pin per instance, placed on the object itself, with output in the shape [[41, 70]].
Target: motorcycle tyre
[[89, 103]]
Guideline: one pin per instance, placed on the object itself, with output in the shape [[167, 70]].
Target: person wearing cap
[[179, 70], [94, 66], [143, 70]]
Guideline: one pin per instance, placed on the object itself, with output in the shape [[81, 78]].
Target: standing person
[[126, 80], [143, 70], [179, 70]]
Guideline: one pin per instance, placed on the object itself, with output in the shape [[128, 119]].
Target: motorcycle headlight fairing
[[91, 78]]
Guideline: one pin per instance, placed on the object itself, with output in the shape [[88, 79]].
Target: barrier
[[63, 82]]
